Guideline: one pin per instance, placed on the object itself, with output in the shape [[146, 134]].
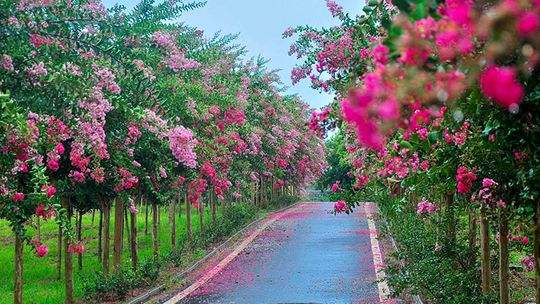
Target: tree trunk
[[484, 247], [213, 207], [155, 235], [159, 218], [472, 236], [100, 237], [68, 259], [38, 228], [172, 219], [503, 258], [188, 219], [146, 217], [127, 229], [79, 239], [537, 249], [59, 255], [118, 231], [18, 279], [106, 236], [201, 217], [451, 223], [93, 217], [133, 242]]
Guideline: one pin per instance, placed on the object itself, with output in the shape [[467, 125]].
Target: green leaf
[[405, 144]]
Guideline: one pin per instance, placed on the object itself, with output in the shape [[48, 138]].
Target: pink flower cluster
[[25, 5], [44, 212], [458, 138], [426, 207], [163, 39], [340, 206], [234, 116], [334, 8], [208, 170], [528, 263], [36, 71], [195, 189], [524, 240], [501, 85], [127, 180], [487, 195], [298, 74], [106, 80], [177, 61], [7, 63], [76, 248], [182, 145], [361, 181], [317, 119], [278, 184], [336, 187], [465, 179], [92, 126]]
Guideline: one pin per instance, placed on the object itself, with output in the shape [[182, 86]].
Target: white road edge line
[[378, 262], [223, 263]]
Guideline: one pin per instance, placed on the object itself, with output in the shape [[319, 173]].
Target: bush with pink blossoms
[[430, 97]]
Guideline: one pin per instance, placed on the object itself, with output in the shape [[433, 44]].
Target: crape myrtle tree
[[437, 103], [109, 109]]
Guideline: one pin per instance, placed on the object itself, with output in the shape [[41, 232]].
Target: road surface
[[301, 255]]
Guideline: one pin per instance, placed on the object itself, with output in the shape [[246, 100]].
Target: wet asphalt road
[[306, 256]]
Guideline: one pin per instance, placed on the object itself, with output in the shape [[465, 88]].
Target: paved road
[[305, 256]]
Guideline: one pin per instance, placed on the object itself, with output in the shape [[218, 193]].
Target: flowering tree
[[109, 109], [438, 100]]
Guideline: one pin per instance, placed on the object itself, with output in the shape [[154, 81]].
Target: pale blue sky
[[260, 24]]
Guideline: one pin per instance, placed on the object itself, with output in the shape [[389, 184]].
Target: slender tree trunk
[[537, 249], [155, 235], [18, 279], [133, 242], [472, 236], [59, 254], [201, 217], [118, 229], [484, 247], [93, 217], [504, 293], [146, 217], [213, 207], [106, 236], [451, 222], [68, 259], [79, 239], [159, 218], [172, 221], [38, 228], [127, 229], [100, 237], [188, 219], [254, 193]]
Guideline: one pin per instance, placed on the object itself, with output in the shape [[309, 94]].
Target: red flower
[[17, 197], [76, 248], [528, 24], [340, 206], [41, 250], [53, 165], [500, 84], [50, 190], [60, 149]]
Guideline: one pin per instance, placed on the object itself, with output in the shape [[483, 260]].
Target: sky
[[260, 24]]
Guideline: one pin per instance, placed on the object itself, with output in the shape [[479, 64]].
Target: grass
[[40, 282]]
